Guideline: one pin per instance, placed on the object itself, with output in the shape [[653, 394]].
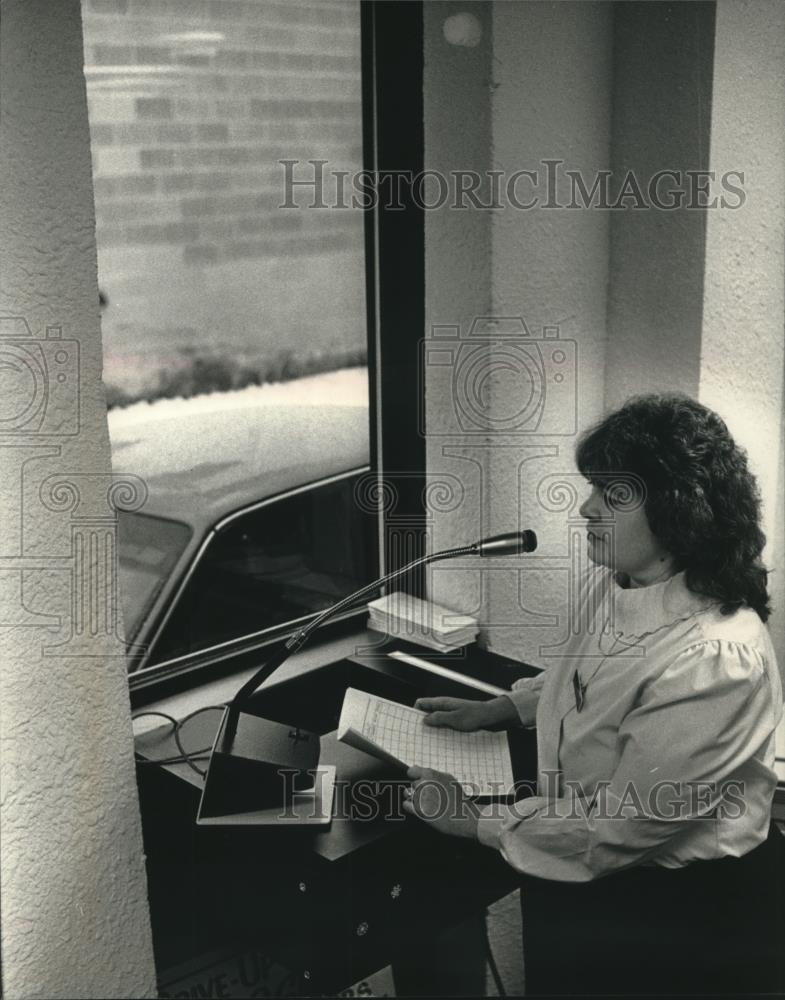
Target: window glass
[[208, 283], [215, 299], [149, 548], [279, 563]]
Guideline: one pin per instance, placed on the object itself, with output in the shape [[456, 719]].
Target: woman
[[647, 860]]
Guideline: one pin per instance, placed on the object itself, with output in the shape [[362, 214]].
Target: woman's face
[[619, 537]]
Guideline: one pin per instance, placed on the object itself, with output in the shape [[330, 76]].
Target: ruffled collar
[[639, 611]]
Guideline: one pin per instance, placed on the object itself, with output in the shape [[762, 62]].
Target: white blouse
[[659, 750]]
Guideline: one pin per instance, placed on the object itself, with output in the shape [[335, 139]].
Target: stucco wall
[[516, 98], [744, 302], [73, 894], [662, 81], [569, 81], [551, 99], [627, 87], [457, 278]]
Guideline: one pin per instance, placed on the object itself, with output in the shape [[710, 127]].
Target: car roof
[[200, 464]]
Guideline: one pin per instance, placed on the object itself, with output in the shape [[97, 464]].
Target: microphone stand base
[[264, 765]]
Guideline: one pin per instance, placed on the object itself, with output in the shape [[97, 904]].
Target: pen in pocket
[[580, 690]]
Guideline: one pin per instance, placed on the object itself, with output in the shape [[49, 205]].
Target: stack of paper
[[422, 622]]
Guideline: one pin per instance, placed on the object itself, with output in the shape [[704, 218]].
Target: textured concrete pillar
[[743, 343], [73, 897]]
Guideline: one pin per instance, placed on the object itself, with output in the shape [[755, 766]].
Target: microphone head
[[512, 544], [528, 541]]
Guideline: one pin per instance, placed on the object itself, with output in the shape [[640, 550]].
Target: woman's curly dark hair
[[702, 502]]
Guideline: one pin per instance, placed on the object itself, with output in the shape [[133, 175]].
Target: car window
[[148, 549], [282, 561]]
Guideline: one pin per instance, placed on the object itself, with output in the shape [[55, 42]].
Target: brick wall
[[192, 103]]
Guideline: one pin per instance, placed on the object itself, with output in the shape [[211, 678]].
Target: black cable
[[175, 726], [497, 979], [185, 757], [182, 722], [203, 754], [160, 715], [198, 711]]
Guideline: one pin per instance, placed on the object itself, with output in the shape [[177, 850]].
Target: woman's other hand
[[440, 801], [466, 715]]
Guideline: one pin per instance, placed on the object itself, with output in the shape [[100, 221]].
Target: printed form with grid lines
[[480, 761]]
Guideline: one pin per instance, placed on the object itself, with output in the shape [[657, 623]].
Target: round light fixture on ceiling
[[463, 29]]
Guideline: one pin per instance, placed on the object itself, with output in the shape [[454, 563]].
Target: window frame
[[394, 140], [394, 238]]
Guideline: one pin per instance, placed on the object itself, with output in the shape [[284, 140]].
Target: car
[[253, 522]]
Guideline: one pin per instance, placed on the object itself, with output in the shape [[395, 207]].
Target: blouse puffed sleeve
[[691, 727], [525, 695]]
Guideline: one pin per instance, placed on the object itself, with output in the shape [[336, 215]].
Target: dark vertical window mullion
[[395, 244], [367, 29]]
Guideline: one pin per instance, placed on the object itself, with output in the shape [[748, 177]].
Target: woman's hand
[[439, 800], [466, 715]]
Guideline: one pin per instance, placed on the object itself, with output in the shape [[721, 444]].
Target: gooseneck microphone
[[267, 745], [513, 543]]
